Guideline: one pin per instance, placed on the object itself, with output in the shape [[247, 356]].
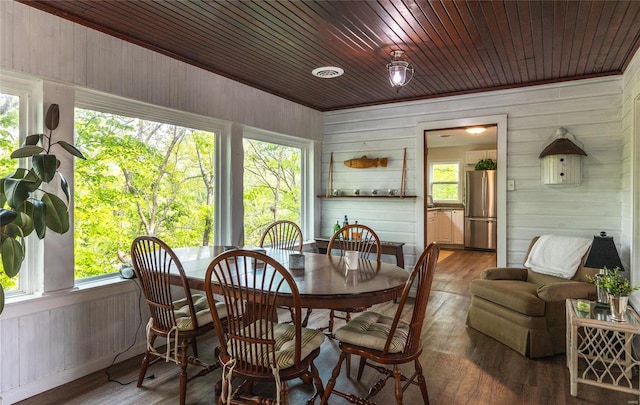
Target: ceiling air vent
[[327, 72]]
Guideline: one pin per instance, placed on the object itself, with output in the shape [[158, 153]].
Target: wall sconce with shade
[[562, 159], [603, 253], [399, 69]]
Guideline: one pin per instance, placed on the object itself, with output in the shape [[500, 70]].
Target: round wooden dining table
[[325, 282]]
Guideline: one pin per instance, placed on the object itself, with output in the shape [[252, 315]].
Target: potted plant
[[618, 288], [486, 164], [28, 202]]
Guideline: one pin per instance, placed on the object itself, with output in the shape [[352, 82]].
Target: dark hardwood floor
[[461, 366]]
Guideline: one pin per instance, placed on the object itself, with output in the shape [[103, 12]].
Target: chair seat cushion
[[284, 336], [201, 306], [371, 329], [519, 296]]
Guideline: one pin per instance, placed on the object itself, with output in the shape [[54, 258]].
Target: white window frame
[[459, 182], [306, 171], [30, 119], [110, 104]]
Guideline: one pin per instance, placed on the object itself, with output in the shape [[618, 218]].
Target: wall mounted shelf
[[366, 196]]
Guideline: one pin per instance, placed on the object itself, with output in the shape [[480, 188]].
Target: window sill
[[85, 291]]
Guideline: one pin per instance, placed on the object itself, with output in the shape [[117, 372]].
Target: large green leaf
[[18, 190], [25, 217], [26, 151], [71, 149], [33, 139], [57, 213], [12, 256], [53, 117], [7, 216], [12, 230], [45, 166], [19, 173], [64, 185], [36, 211], [1, 299]]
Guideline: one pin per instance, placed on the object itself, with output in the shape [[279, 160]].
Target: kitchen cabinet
[[457, 227], [443, 225], [474, 156], [449, 225], [431, 227]]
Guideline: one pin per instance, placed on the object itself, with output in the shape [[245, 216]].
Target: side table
[[387, 248], [600, 350]]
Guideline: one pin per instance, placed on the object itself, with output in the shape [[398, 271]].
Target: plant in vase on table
[[617, 287]]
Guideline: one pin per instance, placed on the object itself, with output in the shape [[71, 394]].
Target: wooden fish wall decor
[[364, 162]]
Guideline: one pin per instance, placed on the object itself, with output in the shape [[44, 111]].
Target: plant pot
[[618, 307]]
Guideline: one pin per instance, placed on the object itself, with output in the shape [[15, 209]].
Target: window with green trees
[[9, 141], [445, 181], [140, 177], [272, 180]]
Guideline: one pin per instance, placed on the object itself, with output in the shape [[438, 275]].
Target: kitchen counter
[[446, 208]]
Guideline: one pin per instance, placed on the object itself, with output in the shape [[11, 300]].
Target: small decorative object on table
[[583, 305], [296, 261], [618, 289]]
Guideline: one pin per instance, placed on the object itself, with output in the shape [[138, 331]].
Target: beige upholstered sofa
[[525, 310]]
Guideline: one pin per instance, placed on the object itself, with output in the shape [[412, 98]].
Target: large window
[[9, 141], [140, 178], [445, 181], [272, 186]]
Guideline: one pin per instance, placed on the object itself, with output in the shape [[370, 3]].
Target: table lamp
[[603, 253]]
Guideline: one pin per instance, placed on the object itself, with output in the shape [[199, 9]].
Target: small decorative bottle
[[336, 227], [345, 233], [356, 235]]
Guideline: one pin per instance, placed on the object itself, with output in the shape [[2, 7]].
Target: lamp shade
[[603, 253]]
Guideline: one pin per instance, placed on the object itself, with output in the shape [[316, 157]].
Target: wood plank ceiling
[[456, 47]]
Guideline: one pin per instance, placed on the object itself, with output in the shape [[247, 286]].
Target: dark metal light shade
[[603, 253]]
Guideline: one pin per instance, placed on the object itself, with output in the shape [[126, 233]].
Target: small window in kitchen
[[444, 184]]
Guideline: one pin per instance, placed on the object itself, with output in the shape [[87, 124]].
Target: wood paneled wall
[[59, 338], [43, 45], [630, 169], [77, 334], [71, 335], [590, 109]]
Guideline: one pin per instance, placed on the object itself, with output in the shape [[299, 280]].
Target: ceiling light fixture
[[476, 130], [399, 69]]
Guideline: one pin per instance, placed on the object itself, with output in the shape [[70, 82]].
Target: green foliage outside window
[[143, 177], [272, 179], [444, 181], [9, 132], [140, 177]]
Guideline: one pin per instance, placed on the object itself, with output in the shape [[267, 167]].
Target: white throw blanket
[[558, 256]]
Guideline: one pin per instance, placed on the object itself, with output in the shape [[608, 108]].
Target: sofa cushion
[[582, 274], [517, 295], [555, 292], [557, 255]]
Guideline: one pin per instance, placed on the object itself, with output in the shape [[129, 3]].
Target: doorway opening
[[450, 152]]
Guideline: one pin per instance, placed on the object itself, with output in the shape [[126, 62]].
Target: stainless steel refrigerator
[[480, 210]]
